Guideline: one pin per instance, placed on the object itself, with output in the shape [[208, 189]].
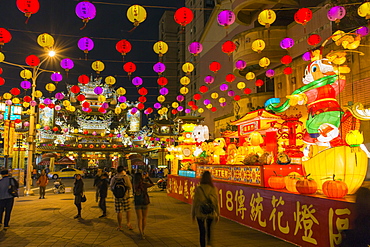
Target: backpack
[[206, 207], [119, 189]]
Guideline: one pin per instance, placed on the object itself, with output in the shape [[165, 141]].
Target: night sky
[[58, 18]]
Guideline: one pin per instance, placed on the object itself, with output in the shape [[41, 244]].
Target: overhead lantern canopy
[[183, 16], [136, 14], [85, 11], [160, 48], [123, 47], [45, 40], [28, 7], [98, 66], [267, 17]]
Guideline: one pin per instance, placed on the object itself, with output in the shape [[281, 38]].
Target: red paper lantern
[[203, 89], [183, 16], [236, 97], [302, 16], [143, 91], [197, 96], [81, 97], [1, 71], [110, 135], [194, 107], [18, 121], [140, 106], [28, 7], [286, 59], [83, 79], [15, 91], [75, 89], [213, 109], [42, 106], [32, 60], [288, 70], [149, 110], [214, 67], [259, 82], [51, 106], [27, 99], [123, 47], [2, 81], [314, 39], [86, 104], [191, 103], [230, 77], [247, 91], [228, 47], [5, 36], [129, 67], [101, 109], [55, 129], [174, 111], [142, 99], [162, 81]]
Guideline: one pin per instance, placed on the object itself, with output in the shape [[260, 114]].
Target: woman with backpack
[[205, 207], [141, 199]]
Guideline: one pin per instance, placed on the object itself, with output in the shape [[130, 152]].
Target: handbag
[[206, 207], [83, 198], [13, 189]]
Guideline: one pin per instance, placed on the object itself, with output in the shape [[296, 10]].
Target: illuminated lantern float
[[331, 135]]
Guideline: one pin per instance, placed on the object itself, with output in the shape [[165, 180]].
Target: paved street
[[49, 222]]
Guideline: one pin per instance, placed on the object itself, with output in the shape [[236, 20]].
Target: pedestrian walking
[[205, 208], [141, 199], [42, 182], [96, 184], [103, 193], [78, 191], [121, 185], [6, 199]]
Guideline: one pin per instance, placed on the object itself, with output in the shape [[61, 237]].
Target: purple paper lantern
[[180, 98], [26, 124], [94, 133], [98, 90], [336, 13], [105, 105], [137, 81], [1, 116], [206, 102], [224, 87], [25, 85], [286, 43], [59, 96], [240, 64], [159, 67], [306, 56], [195, 48], [270, 73], [119, 135], [58, 108], [223, 104], [122, 99], [157, 105], [85, 109], [33, 103], [180, 108], [67, 64], [47, 101], [85, 10], [231, 93], [209, 79], [134, 110], [163, 91], [363, 31], [8, 102], [85, 44], [225, 18], [187, 111], [139, 138], [56, 77]]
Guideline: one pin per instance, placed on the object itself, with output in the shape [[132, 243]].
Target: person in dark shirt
[[103, 193], [97, 181], [78, 191]]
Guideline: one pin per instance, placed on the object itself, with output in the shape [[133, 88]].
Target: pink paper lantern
[[187, 111], [195, 48], [223, 104], [209, 79], [231, 93], [362, 31], [137, 81], [206, 102], [225, 18], [8, 102], [105, 105], [157, 105], [26, 124], [270, 73], [180, 98], [25, 85], [163, 91], [122, 99], [240, 64], [306, 56], [224, 87], [336, 13], [85, 10], [56, 77], [59, 96], [180, 108], [159, 68], [33, 103], [85, 44], [47, 101], [286, 43], [58, 108], [67, 64]]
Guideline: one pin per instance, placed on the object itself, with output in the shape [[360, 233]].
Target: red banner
[[303, 220]]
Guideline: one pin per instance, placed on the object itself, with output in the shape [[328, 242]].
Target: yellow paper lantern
[[121, 91], [364, 10], [184, 90], [250, 76], [255, 138], [160, 48], [50, 87], [200, 110], [117, 110], [354, 138], [164, 109], [45, 40], [110, 80], [66, 103], [337, 35], [2, 57], [214, 95], [187, 67], [185, 80], [102, 98], [240, 85], [72, 108], [209, 106], [15, 101], [26, 74], [161, 98], [222, 100], [123, 106], [258, 45], [160, 112], [26, 104], [75, 131], [267, 17], [264, 62], [175, 104], [38, 94], [7, 96], [98, 66], [38, 126], [136, 14], [102, 134]]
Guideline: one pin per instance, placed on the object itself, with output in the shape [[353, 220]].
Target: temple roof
[[258, 114]]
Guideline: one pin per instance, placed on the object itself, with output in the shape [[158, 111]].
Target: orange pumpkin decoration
[[276, 182], [306, 186], [291, 181], [335, 188]]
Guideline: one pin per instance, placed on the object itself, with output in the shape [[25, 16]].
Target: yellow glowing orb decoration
[[187, 67], [209, 106], [240, 85], [214, 95], [45, 40], [66, 103], [255, 138], [2, 57], [50, 87], [123, 106], [136, 14], [347, 165], [38, 94], [26, 104], [175, 105], [121, 91], [200, 110], [15, 100], [7, 96], [364, 10], [250, 76], [258, 45], [160, 48], [222, 100], [102, 98], [267, 17], [102, 134], [75, 131], [26, 74], [117, 110], [110, 80], [185, 80], [38, 126], [161, 98], [264, 62], [188, 127], [184, 90], [98, 66]]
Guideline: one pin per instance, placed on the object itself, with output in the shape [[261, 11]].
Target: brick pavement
[[49, 222]]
